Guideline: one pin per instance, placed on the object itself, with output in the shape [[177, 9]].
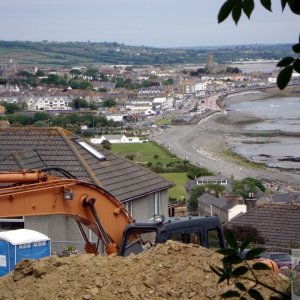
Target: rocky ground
[[167, 271]]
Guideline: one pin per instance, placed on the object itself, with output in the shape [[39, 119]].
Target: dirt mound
[[168, 271]]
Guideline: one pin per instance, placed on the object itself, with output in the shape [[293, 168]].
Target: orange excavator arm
[[35, 193]]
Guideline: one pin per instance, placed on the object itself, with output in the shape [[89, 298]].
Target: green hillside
[[70, 53]]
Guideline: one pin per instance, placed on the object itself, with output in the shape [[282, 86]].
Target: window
[[39, 244], [157, 207], [213, 238], [139, 240], [154, 205], [11, 223], [24, 246], [129, 207], [186, 237], [90, 149]]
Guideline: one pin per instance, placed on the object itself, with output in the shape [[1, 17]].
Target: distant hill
[[84, 53]]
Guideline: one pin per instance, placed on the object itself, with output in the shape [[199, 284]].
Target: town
[[149, 150], [72, 117]]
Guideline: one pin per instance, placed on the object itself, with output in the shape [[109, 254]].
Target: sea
[[275, 114], [263, 66]]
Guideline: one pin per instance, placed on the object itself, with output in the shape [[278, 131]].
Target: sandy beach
[[205, 144]]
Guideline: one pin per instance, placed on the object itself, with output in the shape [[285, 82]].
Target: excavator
[[40, 193]]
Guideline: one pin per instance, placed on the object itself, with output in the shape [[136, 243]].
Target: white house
[[117, 139], [9, 99], [200, 86], [164, 102], [139, 105], [211, 179], [48, 103], [116, 118]]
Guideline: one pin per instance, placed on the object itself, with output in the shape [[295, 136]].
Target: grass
[[30, 56], [164, 121], [241, 160], [180, 179], [257, 142], [270, 133], [144, 152]]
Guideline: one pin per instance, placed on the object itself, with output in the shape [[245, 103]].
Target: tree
[[199, 72], [195, 172], [236, 7], [233, 70], [25, 73], [185, 163], [10, 108], [19, 119], [40, 124], [156, 156], [130, 156], [74, 119], [41, 116], [106, 144], [109, 103], [80, 84], [91, 73], [55, 80], [79, 103], [39, 73], [245, 186], [75, 73]]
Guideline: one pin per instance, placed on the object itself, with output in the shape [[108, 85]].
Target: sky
[[157, 23]]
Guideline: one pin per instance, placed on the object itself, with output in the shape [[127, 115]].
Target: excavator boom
[[35, 193]]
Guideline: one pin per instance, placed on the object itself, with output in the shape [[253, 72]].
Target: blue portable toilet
[[16, 245]]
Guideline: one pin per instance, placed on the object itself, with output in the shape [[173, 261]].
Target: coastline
[[208, 143]]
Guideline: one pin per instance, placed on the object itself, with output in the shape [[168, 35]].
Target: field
[[43, 58], [144, 152], [164, 121], [180, 179]]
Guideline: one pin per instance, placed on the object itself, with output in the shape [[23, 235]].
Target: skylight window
[[90, 149]]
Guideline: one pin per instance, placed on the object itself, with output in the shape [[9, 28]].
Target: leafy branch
[[237, 7], [232, 269]]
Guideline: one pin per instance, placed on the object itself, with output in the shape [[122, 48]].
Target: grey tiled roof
[[225, 203], [286, 198], [57, 148], [279, 224]]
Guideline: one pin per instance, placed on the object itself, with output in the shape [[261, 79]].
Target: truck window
[[196, 238], [185, 237], [137, 241], [213, 239]]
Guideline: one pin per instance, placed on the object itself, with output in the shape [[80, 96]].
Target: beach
[[208, 144]]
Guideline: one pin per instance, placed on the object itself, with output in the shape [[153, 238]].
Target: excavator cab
[[203, 231]]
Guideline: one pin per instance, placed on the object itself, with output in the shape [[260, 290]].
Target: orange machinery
[[36, 193]]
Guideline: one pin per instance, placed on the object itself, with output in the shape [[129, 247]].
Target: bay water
[[275, 114]]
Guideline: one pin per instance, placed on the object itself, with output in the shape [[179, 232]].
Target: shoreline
[[207, 142]]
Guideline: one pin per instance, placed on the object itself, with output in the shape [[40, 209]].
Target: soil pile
[[167, 271]]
